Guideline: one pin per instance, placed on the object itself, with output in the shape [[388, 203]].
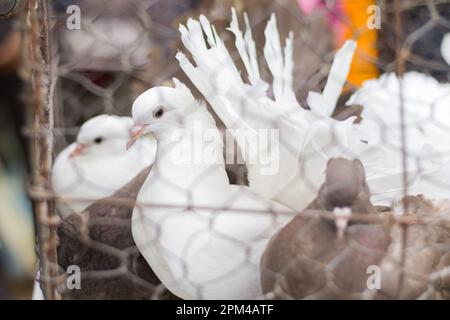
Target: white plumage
[[427, 124], [98, 164], [308, 138], [202, 236]]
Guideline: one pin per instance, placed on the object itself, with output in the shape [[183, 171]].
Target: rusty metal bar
[[38, 72]]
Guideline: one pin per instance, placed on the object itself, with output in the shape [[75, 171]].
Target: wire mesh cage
[[88, 58]]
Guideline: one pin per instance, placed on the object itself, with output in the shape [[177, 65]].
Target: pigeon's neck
[[190, 152], [197, 129]]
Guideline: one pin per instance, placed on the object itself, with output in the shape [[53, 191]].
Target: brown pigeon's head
[[345, 184]]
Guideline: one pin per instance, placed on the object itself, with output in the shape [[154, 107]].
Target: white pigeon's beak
[[79, 149], [136, 132]]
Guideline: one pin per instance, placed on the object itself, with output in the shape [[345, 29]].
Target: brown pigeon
[[315, 256], [99, 241]]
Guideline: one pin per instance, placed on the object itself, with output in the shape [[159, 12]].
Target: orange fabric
[[363, 66]]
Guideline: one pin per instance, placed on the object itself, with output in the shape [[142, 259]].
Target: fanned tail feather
[[274, 56], [288, 71], [206, 60], [338, 74], [325, 103], [243, 105], [246, 48], [217, 78]]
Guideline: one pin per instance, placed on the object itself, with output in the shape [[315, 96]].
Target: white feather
[[325, 103], [296, 178], [103, 168], [202, 236], [426, 126]]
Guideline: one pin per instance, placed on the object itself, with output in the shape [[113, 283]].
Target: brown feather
[[100, 240]]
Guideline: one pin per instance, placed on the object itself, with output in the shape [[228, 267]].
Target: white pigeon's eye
[[158, 113], [98, 140]]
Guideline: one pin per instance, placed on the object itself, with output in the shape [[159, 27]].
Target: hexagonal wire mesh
[[125, 47]]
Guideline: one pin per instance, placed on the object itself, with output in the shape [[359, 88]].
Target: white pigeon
[[98, 164], [445, 47], [308, 138], [427, 128], [202, 236]]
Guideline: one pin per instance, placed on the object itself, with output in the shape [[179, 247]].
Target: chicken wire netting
[[88, 58]]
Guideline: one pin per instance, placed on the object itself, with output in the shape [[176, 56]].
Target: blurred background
[[126, 46]]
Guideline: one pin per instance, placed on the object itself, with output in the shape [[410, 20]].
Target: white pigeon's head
[[160, 109], [102, 134]]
